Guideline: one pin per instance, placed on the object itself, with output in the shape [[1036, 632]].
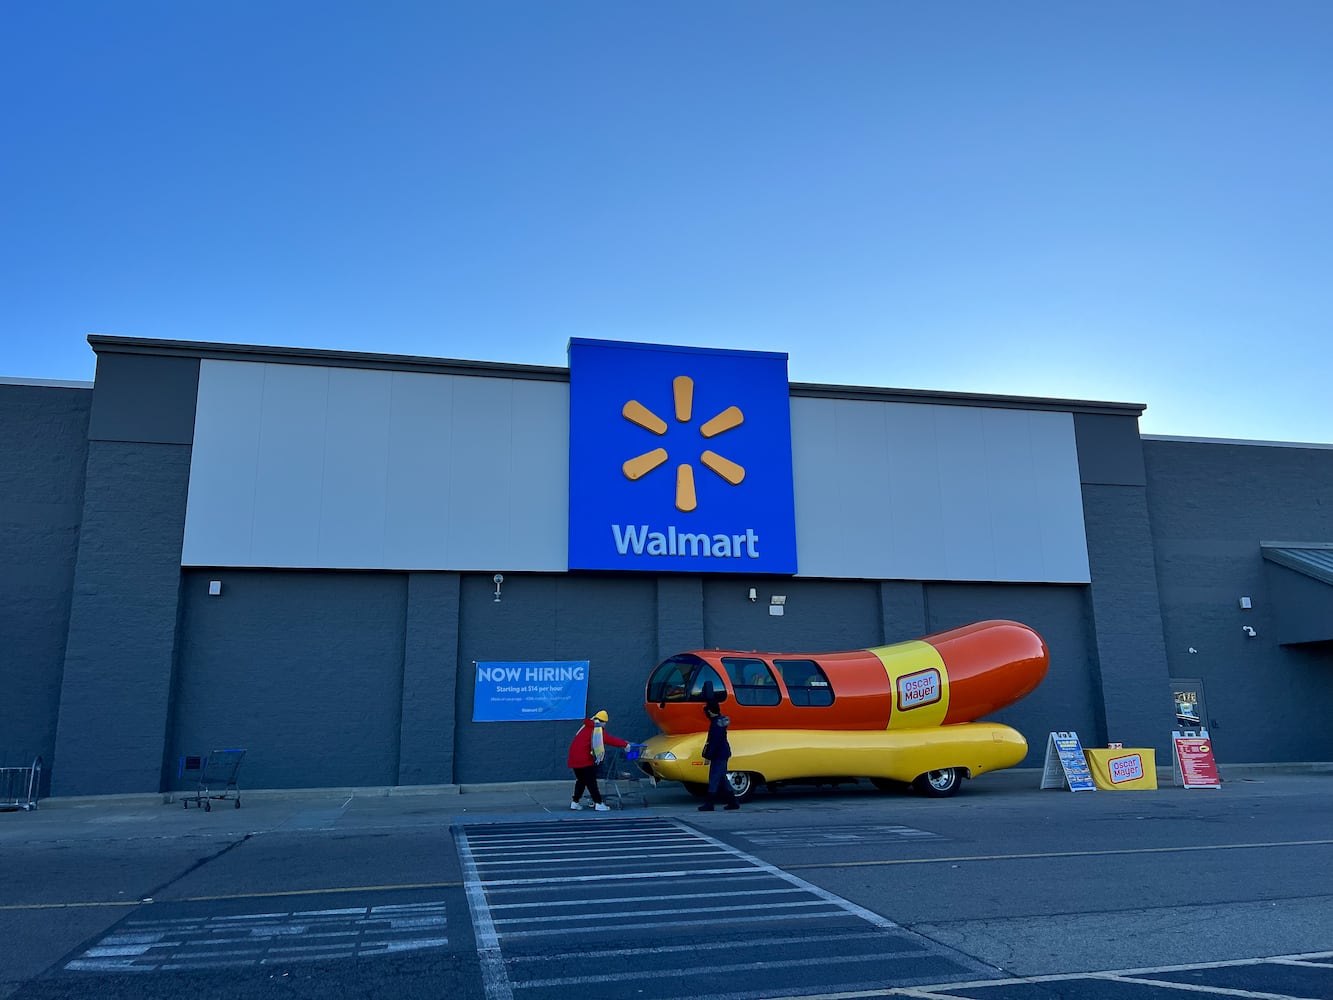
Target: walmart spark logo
[[682, 389], [643, 496]]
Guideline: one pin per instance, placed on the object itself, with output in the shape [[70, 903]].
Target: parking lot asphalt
[[1006, 887]]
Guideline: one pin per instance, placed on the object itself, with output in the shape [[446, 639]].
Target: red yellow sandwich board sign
[[1193, 760]]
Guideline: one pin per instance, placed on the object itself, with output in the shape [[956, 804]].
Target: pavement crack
[[157, 891]]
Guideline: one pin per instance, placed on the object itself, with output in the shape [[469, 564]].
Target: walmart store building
[[295, 552]]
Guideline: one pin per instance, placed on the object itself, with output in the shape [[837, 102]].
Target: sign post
[[1192, 760], [1066, 766]]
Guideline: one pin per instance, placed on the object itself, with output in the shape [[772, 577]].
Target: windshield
[[682, 678]]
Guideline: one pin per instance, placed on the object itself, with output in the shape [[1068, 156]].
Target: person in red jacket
[[585, 753]]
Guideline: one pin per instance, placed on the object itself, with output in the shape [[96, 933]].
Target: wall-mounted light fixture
[[499, 578], [754, 594], [776, 605], [1245, 604], [214, 588]]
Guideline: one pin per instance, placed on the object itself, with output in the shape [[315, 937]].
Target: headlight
[[664, 755]]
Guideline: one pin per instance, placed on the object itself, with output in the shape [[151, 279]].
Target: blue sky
[[1127, 201]]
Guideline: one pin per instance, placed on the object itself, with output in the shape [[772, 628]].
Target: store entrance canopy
[[1300, 580]]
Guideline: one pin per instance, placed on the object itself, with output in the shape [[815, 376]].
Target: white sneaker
[[575, 805], [602, 807]]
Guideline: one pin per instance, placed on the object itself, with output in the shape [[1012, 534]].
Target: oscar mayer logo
[[1126, 768], [919, 688], [682, 392]]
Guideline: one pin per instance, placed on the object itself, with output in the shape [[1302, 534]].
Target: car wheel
[[695, 789], [889, 785], [743, 784], [940, 784]]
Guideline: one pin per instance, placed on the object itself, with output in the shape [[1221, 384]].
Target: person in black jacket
[[717, 751]]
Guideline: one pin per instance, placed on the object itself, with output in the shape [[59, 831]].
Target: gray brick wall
[[43, 452], [1211, 504], [430, 679], [1131, 655], [302, 669], [120, 654], [611, 621]]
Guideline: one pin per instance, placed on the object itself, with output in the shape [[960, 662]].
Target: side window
[[806, 683], [704, 674], [752, 681]]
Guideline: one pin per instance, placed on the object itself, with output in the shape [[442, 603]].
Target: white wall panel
[[313, 467], [416, 530], [929, 492], [228, 415], [356, 469], [289, 474]]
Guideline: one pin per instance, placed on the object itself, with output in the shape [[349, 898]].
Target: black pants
[[719, 788], [586, 777]]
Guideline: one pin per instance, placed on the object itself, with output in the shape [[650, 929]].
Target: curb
[[1165, 777]]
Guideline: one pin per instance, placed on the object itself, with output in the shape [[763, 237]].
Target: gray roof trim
[[1262, 444], [50, 383], [1313, 559], [103, 344], [873, 394], [329, 359]]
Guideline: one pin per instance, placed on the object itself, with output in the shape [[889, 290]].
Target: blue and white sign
[[679, 460], [530, 691]]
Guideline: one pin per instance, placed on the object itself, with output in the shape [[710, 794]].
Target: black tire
[[695, 789], [744, 784], [889, 786], [940, 784]]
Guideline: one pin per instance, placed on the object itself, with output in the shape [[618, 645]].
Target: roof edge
[[1281, 554], [945, 398], [106, 344], [103, 344], [46, 383], [1242, 441]]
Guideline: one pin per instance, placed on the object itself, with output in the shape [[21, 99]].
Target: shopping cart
[[619, 774], [18, 786], [217, 780]]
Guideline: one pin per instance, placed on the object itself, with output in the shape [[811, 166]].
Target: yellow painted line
[[1054, 854], [238, 895]]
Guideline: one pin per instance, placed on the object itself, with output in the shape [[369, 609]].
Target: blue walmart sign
[[679, 460]]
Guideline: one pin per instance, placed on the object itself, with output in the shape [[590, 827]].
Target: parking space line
[[937, 991], [1217, 991]]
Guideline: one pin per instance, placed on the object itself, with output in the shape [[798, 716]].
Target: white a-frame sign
[[1066, 767]]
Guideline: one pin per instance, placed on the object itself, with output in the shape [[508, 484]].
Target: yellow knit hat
[[602, 717]]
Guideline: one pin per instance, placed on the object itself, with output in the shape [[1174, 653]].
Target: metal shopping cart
[[18, 786], [619, 775], [217, 780]]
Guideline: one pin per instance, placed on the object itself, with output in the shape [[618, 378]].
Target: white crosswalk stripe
[[677, 912], [261, 938]]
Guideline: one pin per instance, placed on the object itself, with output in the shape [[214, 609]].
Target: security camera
[[499, 578], [1248, 630]]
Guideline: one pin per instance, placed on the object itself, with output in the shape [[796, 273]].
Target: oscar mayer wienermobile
[[899, 714]]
